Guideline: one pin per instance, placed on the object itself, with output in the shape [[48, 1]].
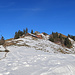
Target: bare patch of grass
[[22, 45], [19, 41], [9, 44], [9, 39], [62, 51], [4, 51]]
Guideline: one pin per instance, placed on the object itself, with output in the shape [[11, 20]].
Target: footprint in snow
[[24, 62], [35, 61], [26, 65], [14, 68], [43, 59], [6, 73], [9, 64]]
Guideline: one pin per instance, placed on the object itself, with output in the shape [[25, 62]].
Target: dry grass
[[8, 44], [9, 39], [62, 51], [64, 36]]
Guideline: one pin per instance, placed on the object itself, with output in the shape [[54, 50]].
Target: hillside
[[30, 56], [40, 44]]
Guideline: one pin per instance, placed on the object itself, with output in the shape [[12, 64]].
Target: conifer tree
[[61, 38], [31, 31], [2, 41], [26, 30], [68, 35], [20, 33], [67, 42], [51, 39], [16, 35]]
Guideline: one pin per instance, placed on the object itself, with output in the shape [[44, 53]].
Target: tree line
[[20, 33], [2, 40], [54, 37], [58, 38], [72, 37]]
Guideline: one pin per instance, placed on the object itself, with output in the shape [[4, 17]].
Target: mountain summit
[[32, 55]]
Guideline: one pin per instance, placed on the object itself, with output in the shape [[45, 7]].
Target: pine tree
[[26, 30], [2, 38], [60, 36], [51, 39], [2, 41], [31, 31], [52, 33], [16, 35], [67, 43], [56, 34], [20, 33], [68, 35]]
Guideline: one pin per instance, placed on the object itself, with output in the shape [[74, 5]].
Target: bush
[[72, 37], [31, 31], [2, 41], [16, 35], [67, 43], [56, 38], [20, 33], [51, 39]]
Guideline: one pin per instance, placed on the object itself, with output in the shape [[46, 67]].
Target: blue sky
[[39, 15]]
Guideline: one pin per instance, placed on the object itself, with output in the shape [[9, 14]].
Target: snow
[[37, 57], [28, 61], [71, 39], [2, 48], [43, 44]]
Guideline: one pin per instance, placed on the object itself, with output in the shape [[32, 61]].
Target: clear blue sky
[[39, 15]]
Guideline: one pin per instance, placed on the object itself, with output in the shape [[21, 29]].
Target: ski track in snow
[[36, 63], [22, 60]]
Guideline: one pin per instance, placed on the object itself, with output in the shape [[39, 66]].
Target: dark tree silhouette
[[26, 30], [2, 41], [31, 31]]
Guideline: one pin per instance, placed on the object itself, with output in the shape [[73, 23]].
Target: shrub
[[51, 39], [67, 43], [2, 41], [58, 38], [31, 31], [20, 33]]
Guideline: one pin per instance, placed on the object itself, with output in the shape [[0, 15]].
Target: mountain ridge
[[35, 56], [40, 44]]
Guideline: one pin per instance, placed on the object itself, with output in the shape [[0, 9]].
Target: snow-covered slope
[[37, 57], [42, 44], [2, 48]]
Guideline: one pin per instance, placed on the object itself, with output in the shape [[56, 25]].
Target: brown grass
[[9, 39], [64, 36], [62, 51]]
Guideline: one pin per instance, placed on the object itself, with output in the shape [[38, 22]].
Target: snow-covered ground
[[28, 61], [37, 57], [2, 48], [44, 45]]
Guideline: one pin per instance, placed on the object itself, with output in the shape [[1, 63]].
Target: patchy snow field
[[2, 48], [28, 61], [34, 59]]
